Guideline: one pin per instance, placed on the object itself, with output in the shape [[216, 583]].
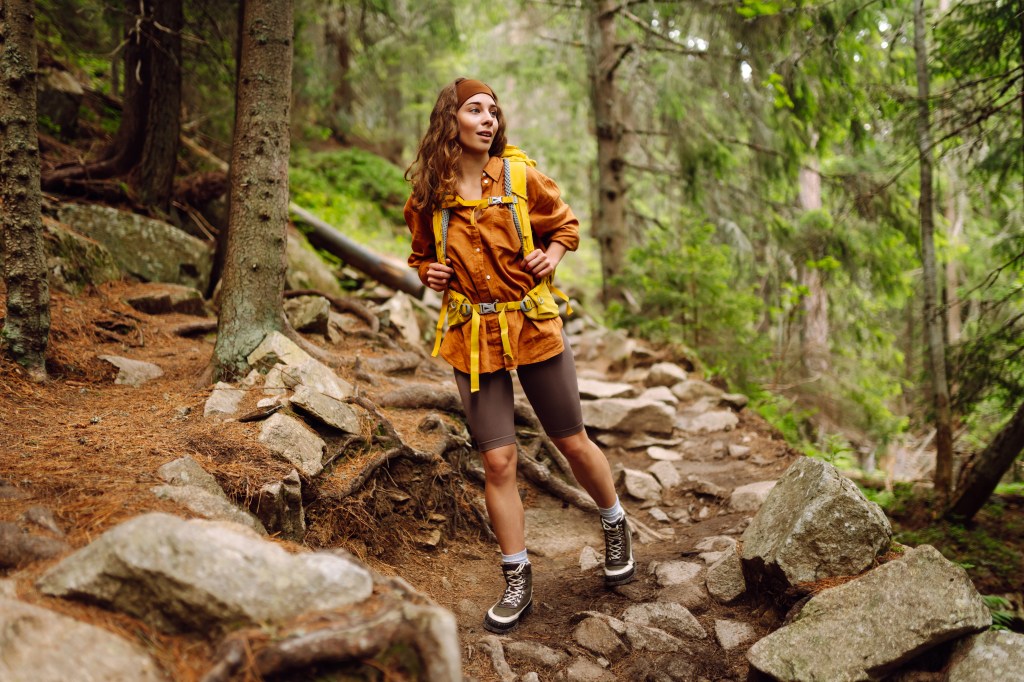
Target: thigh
[[489, 411], [554, 393]]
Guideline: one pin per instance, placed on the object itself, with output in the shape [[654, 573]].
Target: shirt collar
[[494, 168]]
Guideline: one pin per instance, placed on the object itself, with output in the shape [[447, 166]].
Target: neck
[[472, 164]]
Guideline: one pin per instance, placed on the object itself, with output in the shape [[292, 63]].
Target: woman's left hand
[[540, 264]]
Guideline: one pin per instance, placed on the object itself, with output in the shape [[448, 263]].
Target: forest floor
[[89, 450]]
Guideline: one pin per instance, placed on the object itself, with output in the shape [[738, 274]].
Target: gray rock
[[403, 317], [736, 401], [213, 506], [646, 638], [18, 548], [991, 655], [739, 451], [536, 654], [750, 497], [584, 670], [658, 515], [702, 486], [224, 400], [274, 349], [628, 414], [667, 616], [317, 376], [280, 508], [75, 261], [662, 394], [307, 270], [641, 485], [42, 646], [715, 543], [530, 677], [665, 374], [664, 454], [44, 518], [150, 249], [693, 389], [553, 530], [331, 412], [185, 471], [708, 422], [589, 559], [308, 314], [291, 440], [666, 473], [58, 98], [725, 581], [133, 372], [593, 389], [815, 524], [8, 590], [161, 298], [875, 623], [633, 441], [682, 582], [200, 575], [671, 573], [732, 633], [597, 636]]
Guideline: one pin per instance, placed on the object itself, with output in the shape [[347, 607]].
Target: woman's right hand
[[438, 275]]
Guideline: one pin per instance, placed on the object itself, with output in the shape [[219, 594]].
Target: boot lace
[[614, 539], [515, 587]]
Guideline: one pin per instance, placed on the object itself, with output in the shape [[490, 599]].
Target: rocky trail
[[379, 564]]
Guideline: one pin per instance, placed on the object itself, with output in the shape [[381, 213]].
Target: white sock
[[614, 513], [517, 558]]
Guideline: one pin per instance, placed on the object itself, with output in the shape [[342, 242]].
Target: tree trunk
[[933, 318], [956, 202], [815, 330], [982, 476], [153, 177], [604, 56], [254, 269], [26, 330]]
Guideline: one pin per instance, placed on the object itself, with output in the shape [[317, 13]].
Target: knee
[[500, 465], [575, 447]]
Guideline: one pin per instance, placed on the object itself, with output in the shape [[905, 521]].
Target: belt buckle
[[487, 308]]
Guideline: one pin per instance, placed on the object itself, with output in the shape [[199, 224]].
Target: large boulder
[[307, 270], [200, 575], [161, 298], [149, 249], [293, 441], [628, 414], [814, 524], [74, 260], [991, 655], [38, 645], [868, 627]]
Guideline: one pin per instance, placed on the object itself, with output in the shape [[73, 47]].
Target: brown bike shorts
[[550, 386]]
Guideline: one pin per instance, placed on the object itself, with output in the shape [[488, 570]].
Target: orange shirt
[[488, 262]]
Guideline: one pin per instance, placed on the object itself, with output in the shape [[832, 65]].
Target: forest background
[[819, 201]]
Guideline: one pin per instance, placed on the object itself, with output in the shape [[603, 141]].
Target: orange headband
[[467, 88]]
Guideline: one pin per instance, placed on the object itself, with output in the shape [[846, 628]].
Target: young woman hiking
[[471, 237]]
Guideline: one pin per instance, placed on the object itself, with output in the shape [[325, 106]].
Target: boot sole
[[502, 628], [616, 580]]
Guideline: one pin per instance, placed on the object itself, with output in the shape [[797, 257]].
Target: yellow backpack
[[538, 304]]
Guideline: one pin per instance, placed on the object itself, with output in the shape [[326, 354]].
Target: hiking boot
[[619, 566], [515, 603]]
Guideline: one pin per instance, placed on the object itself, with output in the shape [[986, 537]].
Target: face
[[478, 123]]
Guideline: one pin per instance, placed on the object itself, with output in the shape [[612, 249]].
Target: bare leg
[[502, 496], [589, 466]]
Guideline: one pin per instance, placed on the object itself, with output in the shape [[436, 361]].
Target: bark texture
[[610, 228], [981, 477], [254, 269], [815, 331], [26, 329], [933, 318]]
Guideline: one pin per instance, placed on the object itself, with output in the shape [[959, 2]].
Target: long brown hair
[[435, 171]]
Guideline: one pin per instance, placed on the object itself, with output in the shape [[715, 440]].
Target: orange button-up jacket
[[488, 262]]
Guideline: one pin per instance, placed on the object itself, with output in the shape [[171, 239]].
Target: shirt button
[[486, 181], [478, 250], [488, 276]]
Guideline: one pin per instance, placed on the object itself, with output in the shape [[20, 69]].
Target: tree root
[[194, 328], [401, 617], [492, 644], [424, 396], [541, 476], [401, 362]]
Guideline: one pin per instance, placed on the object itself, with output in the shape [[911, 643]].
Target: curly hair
[[435, 171]]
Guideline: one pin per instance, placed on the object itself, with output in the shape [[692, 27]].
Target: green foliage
[[689, 292], [1002, 613], [358, 192], [984, 556]]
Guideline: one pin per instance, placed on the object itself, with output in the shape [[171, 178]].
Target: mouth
[[486, 134]]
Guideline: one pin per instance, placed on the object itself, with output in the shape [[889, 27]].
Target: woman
[[459, 181]]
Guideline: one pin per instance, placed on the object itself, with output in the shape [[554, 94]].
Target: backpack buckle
[[487, 308], [495, 201], [526, 305]]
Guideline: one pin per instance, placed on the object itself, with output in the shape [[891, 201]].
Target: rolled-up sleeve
[[423, 252], [551, 219]]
